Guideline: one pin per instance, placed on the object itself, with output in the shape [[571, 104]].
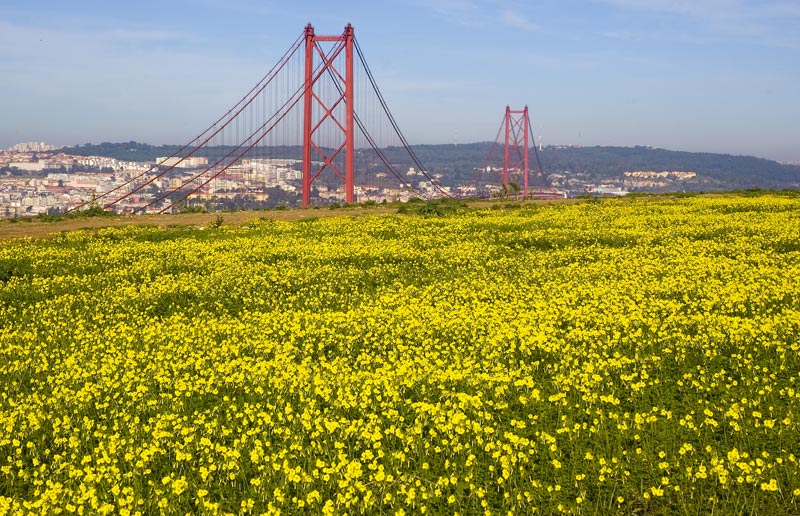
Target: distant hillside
[[457, 163], [601, 163], [731, 171]]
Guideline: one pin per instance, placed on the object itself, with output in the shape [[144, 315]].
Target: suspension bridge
[[317, 126]]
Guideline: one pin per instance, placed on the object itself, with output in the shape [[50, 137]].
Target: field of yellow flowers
[[634, 356]]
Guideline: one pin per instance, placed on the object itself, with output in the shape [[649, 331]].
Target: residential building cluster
[[38, 182], [33, 147], [630, 181], [46, 180], [650, 180], [675, 174]]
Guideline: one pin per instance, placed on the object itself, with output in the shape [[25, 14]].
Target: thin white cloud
[[255, 7], [134, 35], [127, 80], [772, 23], [692, 7], [784, 9], [480, 13], [517, 20], [619, 34], [461, 12], [404, 85]]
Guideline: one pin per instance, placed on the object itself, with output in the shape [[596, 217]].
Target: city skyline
[[709, 75]]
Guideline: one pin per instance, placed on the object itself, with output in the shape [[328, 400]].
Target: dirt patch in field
[[40, 229], [34, 228]]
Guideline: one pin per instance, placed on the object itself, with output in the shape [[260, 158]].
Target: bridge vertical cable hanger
[[264, 130], [176, 158], [396, 127]]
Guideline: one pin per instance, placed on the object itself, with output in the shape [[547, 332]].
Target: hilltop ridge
[[457, 163]]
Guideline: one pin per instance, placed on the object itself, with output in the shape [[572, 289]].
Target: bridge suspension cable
[[327, 98], [291, 103], [396, 127], [243, 103]]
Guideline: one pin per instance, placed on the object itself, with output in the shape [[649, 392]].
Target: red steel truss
[[344, 43], [517, 126]]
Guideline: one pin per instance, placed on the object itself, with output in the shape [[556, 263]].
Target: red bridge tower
[[517, 126], [342, 43]]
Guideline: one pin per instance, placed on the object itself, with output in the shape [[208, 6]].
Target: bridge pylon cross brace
[[517, 128], [342, 43]]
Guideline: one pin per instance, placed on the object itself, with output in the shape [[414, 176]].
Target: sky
[[695, 75]]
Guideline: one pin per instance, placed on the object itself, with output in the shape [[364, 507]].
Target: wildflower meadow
[[624, 356]]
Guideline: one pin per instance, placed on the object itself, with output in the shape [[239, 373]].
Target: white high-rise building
[[32, 147]]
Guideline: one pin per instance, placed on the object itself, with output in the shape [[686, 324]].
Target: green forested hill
[[458, 162]]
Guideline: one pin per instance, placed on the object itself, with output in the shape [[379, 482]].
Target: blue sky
[[699, 75]]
